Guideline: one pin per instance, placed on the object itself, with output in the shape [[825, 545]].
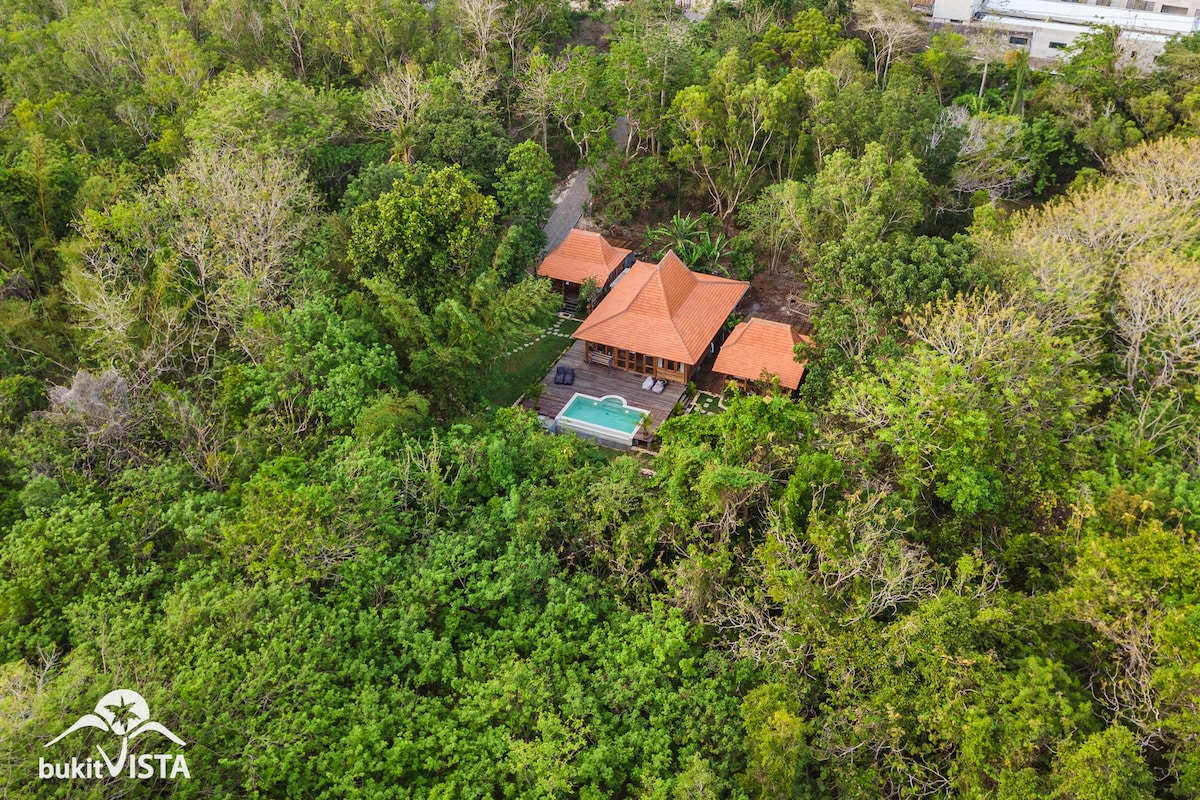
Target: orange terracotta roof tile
[[582, 255], [759, 344], [663, 310]]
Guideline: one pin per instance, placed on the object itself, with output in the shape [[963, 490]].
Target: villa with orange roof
[[583, 255], [659, 319], [758, 348]]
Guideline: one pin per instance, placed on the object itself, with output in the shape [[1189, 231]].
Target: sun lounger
[[648, 383], [560, 374], [658, 387], [569, 376]]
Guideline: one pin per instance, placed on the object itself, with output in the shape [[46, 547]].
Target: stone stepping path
[[555, 329], [707, 403]]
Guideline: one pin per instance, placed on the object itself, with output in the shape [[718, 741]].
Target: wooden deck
[[598, 381]]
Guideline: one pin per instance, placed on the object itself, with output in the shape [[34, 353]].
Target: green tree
[[857, 199], [265, 113], [576, 90], [460, 136], [446, 349], [957, 413], [523, 186], [321, 369], [1135, 592], [843, 109], [1107, 766], [37, 192], [645, 66], [621, 191], [945, 63], [729, 130], [431, 235], [863, 291], [376, 36], [805, 44]]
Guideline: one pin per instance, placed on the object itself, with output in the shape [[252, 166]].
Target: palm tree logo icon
[[126, 714]]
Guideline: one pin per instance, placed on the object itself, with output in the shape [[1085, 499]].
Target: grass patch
[[708, 403], [511, 375]]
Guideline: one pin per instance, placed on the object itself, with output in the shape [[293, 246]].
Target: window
[[1018, 40], [1180, 10], [1140, 5], [1058, 45]]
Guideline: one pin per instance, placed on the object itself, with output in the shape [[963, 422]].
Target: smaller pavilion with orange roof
[[759, 348], [583, 255]]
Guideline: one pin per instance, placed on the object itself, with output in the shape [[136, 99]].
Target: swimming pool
[[608, 419]]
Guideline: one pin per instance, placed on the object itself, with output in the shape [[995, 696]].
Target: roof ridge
[[663, 303]]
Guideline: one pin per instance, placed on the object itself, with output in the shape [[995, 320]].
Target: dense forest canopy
[[256, 258]]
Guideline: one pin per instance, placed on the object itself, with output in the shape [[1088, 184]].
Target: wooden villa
[[583, 255], [759, 348], [659, 319]]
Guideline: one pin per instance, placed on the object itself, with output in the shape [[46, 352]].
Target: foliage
[[321, 368], [523, 186], [459, 136], [953, 417], [623, 191], [431, 234], [807, 42], [693, 241], [264, 275], [862, 293], [266, 113], [726, 130]]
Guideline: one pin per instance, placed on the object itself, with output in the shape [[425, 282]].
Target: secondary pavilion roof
[[582, 255], [758, 344], [663, 310]]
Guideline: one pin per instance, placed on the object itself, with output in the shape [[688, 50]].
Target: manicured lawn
[[511, 375]]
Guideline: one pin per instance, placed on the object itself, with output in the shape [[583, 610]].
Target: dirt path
[[569, 198], [573, 194]]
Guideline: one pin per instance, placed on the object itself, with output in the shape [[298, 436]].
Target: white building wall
[[1047, 27], [958, 11]]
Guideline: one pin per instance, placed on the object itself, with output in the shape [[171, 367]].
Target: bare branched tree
[[990, 43], [891, 29], [202, 438], [396, 100], [536, 100], [475, 81], [990, 156], [480, 21], [238, 219], [1158, 320]]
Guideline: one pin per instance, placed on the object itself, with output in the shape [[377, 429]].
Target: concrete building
[[1047, 27]]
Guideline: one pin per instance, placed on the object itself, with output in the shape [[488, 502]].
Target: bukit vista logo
[[125, 714]]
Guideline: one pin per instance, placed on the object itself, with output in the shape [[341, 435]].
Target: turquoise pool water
[[609, 412]]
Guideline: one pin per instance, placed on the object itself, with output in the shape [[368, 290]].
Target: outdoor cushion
[[649, 382], [568, 376], [658, 387]]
